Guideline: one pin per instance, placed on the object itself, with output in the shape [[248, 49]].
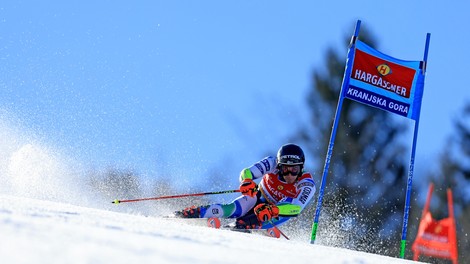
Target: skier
[[283, 192]]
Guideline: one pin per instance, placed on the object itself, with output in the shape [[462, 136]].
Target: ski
[[214, 222], [226, 224]]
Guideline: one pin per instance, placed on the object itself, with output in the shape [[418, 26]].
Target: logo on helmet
[[290, 157]]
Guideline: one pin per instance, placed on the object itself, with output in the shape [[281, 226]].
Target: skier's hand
[[265, 212], [248, 187]]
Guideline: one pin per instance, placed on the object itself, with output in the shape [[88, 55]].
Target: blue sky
[[189, 85]]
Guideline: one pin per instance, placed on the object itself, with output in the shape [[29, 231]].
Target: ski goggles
[[286, 170]]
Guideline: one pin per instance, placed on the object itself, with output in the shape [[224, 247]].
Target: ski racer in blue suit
[[283, 192]]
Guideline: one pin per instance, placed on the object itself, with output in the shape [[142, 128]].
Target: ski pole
[[173, 196], [277, 228]]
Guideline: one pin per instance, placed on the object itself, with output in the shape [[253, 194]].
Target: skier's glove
[[248, 187], [265, 212]]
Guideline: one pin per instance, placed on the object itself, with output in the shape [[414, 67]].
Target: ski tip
[[175, 214], [168, 216], [115, 201]]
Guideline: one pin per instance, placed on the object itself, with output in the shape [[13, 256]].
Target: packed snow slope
[[39, 231]]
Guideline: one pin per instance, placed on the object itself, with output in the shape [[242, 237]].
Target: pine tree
[[454, 173]]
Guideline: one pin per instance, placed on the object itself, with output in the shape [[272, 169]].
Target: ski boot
[[190, 212]]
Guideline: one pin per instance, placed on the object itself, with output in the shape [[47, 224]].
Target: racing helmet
[[290, 154]]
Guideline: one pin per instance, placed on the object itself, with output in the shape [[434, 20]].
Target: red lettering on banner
[[383, 74]]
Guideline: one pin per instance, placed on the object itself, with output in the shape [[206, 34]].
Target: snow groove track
[[36, 231]]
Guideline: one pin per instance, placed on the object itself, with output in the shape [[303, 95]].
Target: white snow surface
[[40, 231]]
